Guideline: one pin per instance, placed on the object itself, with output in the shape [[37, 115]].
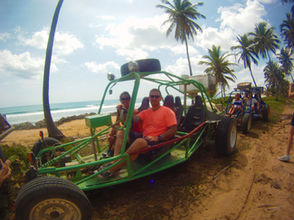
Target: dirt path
[[252, 184]]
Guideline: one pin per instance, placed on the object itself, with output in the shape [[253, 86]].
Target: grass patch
[[276, 107]]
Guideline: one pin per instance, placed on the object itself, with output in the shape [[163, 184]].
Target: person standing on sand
[[286, 157]]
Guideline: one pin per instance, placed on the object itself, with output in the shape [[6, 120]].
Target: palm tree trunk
[[53, 131], [188, 57], [291, 77], [277, 92], [252, 76]]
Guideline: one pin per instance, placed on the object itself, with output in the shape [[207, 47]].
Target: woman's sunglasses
[[125, 99], [154, 96]]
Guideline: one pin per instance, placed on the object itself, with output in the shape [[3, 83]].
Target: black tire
[[48, 142], [145, 65], [246, 122], [226, 136], [51, 198], [266, 113]]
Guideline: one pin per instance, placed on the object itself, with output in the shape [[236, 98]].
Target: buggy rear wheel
[[246, 122], [52, 198], [226, 136]]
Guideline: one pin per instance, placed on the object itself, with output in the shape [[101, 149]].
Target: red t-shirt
[[155, 123]]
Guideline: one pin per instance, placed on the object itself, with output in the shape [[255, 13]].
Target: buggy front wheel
[[52, 198]]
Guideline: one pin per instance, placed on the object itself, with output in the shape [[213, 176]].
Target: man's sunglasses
[[154, 96], [124, 99]]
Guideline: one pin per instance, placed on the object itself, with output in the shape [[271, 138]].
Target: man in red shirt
[[159, 124]]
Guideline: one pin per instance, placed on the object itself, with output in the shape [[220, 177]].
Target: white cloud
[[107, 17], [134, 38], [180, 49], [213, 36], [64, 43], [132, 53], [21, 65], [180, 67], [240, 18], [4, 36], [235, 20], [101, 68]]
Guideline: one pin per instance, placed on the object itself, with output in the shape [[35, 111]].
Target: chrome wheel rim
[[55, 209]]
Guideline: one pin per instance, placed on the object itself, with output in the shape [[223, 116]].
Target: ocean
[[34, 113]]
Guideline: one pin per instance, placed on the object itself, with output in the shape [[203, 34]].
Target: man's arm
[[168, 134], [165, 136]]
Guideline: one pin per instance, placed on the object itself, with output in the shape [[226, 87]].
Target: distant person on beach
[[5, 169], [159, 124], [286, 157], [4, 125], [122, 111]]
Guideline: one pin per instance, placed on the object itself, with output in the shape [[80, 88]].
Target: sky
[[94, 37]]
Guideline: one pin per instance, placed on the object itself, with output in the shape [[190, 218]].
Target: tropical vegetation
[[182, 16], [287, 31], [274, 79], [286, 60], [265, 40], [219, 66], [247, 52]]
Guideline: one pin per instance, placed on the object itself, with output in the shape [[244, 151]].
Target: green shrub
[[17, 154], [276, 107]]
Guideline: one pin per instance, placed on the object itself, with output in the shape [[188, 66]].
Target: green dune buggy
[[61, 172]]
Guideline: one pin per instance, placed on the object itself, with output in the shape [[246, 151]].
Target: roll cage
[[84, 170]]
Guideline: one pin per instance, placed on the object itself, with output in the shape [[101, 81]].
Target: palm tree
[[219, 66], [182, 17], [274, 78], [265, 40], [287, 31], [289, 1], [53, 131], [286, 61], [247, 53]]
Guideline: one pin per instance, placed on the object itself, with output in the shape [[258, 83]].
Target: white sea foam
[[34, 117]]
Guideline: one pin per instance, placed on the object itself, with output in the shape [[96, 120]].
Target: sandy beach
[[27, 138]]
